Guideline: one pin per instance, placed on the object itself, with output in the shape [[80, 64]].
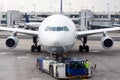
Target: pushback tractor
[[69, 69]]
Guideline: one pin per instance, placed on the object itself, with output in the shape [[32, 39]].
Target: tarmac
[[20, 63]]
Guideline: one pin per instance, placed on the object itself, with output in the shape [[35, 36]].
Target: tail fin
[[27, 18], [61, 7]]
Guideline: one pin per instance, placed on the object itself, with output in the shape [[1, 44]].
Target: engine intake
[[107, 42], [12, 41]]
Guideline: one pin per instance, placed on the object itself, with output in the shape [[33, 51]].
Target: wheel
[[80, 48], [39, 48], [51, 71], [38, 64], [87, 48], [32, 48]]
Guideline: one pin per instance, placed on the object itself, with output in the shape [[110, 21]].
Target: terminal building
[[87, 18]]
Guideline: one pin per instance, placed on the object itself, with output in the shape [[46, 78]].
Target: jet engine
[[12, 42], [107, 42]]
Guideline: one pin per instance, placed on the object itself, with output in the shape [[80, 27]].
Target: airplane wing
[[19, 30], [91, 32]]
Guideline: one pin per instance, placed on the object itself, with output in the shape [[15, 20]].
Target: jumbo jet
[[57, 34]]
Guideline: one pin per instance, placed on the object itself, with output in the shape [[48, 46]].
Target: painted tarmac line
[[22, 57], [4, 53]]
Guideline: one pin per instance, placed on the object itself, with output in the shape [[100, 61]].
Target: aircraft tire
[[87, 48], [80, 48], [39, 48], [51, 71], [38, 65], [32, 48]]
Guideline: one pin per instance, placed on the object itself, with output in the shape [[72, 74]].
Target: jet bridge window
[[64, 28]]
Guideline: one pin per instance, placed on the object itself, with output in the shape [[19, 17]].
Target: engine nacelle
[[107, 42], [12, 42]]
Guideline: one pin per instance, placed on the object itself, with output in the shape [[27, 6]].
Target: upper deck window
[[64, 28]]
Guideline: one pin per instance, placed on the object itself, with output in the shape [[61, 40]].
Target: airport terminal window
[[76, 22], [74, 16], [4, 16], [3, 22], [100, 16], [115, 16], [64, 28]]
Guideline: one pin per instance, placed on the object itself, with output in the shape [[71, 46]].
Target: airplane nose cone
[[55, 41], [54, 45]]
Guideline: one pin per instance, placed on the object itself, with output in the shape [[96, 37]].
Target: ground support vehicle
[[69, 69]]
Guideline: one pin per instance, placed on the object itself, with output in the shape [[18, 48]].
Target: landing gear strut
[[84, 47], [59, 57], [35, 46], [56, 57]]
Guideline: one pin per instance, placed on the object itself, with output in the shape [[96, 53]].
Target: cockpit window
[[64, 28], [60, 28], [50, 29]]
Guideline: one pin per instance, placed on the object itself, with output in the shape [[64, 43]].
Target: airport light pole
[[34, 6], [108, 6], [21, 8], [119, 8], [115, 8], [1, 7], [69, 7], [93, 9], [50, 9], [81, 7]]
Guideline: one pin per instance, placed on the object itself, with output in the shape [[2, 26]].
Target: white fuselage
[[57, 34], [33, 24]]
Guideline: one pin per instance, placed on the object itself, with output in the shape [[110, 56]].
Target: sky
[[53, 5]]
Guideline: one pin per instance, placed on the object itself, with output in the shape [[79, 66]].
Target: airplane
[[114, 25], [28, 24], [33, 25], [57, 34]]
